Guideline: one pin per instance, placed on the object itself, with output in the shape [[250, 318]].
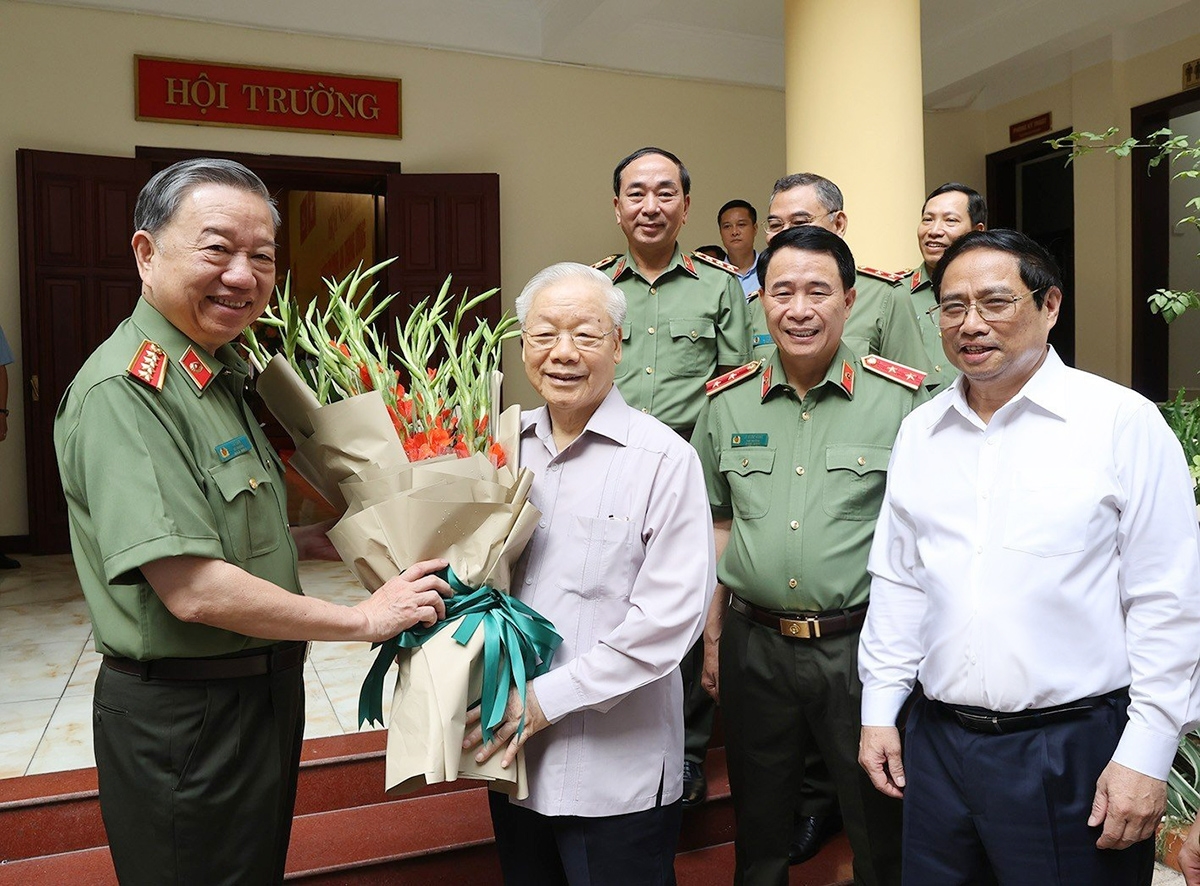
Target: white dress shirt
[[623, 564], [1049, 555]]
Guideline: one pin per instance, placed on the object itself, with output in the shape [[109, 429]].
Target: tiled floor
[[48, 666]]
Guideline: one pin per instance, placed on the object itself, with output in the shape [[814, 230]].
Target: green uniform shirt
[[678, 330], [919, 286], [151, 474], [881, 322], [803, 480]]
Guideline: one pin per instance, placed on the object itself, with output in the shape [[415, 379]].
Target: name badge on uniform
[[231, 449], [760, 340], [740, 440]]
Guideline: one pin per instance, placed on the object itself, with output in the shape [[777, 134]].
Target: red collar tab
[[731, 378], [916, 280], [620, 266], [897, 372], [847, 377], [196, 369], [688, 266], [149, 365], [766, 386]]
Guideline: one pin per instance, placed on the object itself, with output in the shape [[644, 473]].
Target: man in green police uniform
[[795, 453], [951, 211], [883, 321], [687, 322], [179, 530]]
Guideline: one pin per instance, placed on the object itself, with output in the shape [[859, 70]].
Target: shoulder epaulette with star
[[149, 365], [887, 276], [716, 262], [751, 296], [731, 378], [893, 371], [605, 262]]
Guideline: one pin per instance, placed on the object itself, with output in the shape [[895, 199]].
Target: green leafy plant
[[1183, 416], [1163, 145]]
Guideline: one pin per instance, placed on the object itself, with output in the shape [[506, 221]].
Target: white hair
[[614, 299]]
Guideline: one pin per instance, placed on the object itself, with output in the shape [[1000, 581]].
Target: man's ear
[[144, 251]]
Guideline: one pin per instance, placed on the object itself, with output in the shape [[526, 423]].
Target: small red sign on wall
[[179, 91], [1027, 128]]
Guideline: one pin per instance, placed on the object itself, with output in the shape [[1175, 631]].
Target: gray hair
[[160, 198], [614, 299], [828, 193]]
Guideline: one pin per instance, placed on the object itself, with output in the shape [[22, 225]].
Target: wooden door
[[78, 281], [439, 224]]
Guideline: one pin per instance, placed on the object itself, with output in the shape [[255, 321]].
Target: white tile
[[43, 622], [22, 724], [40, 580], [36, 671], [343, 685], [83, 677], [67, 743], [320, 719]]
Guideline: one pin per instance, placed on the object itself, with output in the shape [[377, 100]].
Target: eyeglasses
[[775, 224], [993, 309], [584, 340]]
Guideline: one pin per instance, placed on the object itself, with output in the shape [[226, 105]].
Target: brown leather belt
[[268, 660], [803, 625]]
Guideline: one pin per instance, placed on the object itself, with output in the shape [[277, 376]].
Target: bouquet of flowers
[[413, 452]]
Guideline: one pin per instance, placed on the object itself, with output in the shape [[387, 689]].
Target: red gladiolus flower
[[496, 455]]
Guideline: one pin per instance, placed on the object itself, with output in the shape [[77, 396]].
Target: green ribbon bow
[[518, 645]]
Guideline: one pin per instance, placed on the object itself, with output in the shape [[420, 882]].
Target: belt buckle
[[802, 628]]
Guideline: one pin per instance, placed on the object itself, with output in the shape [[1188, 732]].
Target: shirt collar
[[752, 270], [920, 277], [611, 420], [841, 374], [679, 259], [1043, 390], [154, 326]]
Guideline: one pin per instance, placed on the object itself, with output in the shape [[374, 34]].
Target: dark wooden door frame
[[1002, 177], [1150, 244]]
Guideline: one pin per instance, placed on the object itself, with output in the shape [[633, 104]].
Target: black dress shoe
[[695, 785], [7, 562], [812, 832]]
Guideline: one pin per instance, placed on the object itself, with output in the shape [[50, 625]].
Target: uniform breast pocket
[[748, 472], [1048, 516], [693, 347], [856, 475], [247, 507], [609, 561]]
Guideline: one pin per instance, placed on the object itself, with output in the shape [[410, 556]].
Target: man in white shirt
[[1037, 566], [623, 564]]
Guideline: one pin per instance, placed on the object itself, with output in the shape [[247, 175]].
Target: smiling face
[[573, 382], [651, 206], [998, 357], [211, 269], [806, 308], [944, 219]]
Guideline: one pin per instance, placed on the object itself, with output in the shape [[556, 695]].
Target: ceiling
[[975, 53]]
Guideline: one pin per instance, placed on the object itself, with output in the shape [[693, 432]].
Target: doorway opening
[[1031, 189]]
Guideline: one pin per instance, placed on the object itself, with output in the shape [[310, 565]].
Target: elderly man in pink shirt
[[623, 564]]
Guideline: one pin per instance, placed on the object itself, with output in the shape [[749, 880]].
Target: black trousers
[[1012, 809], [780, 697], [635, 849], [198, 778]]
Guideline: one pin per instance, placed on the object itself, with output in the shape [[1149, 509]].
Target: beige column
[[852, 83]]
